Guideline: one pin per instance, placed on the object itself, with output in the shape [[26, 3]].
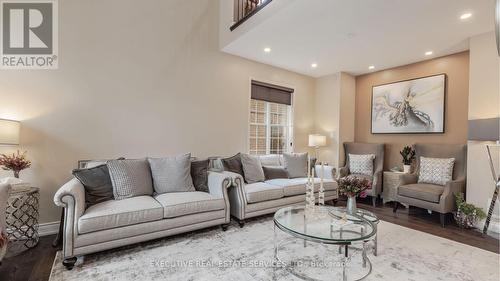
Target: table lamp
[[317, 141], [9, 132]]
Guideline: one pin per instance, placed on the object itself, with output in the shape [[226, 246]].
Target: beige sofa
[[117, 223], [256, 199]]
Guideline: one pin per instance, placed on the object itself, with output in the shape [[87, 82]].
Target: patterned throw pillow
[[361, 164], [130, 178], [436, 170]]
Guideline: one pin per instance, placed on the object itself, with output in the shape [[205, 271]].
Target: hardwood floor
[[35, 264]]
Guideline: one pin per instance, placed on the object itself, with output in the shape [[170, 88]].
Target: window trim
[[291, 136]]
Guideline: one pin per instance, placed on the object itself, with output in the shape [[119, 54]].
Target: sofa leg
[[442, 218], [224, 226], [69, 263], [241, 223], [395, 206], [374, 201], [334, 202]]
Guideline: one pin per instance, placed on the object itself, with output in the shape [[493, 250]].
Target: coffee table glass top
[[321, 226], [340, 211]]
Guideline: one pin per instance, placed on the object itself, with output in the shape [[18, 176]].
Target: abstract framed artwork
[[415, 106]]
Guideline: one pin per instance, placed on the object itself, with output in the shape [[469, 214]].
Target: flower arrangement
[[15, 162], [467, 214], [352, 186]]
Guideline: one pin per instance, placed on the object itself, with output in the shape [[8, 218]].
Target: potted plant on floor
[[351, 187], [408, 155], [467, 215]]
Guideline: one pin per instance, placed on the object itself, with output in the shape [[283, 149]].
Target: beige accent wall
[[484, 102], [456, 67], [334, 114], [137, 80]]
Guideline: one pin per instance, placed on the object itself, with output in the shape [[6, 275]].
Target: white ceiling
[[350, 35]]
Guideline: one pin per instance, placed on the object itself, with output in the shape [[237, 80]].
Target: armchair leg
[[442, 218], [69, 263], [224, 226], [395, 206]]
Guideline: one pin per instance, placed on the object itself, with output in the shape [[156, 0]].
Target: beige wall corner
[[484, 102]]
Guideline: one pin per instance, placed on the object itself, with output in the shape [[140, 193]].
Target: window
[[270, 127]]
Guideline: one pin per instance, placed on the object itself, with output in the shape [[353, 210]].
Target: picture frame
[[413, 106]]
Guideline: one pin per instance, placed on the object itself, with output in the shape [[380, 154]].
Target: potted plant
[[15, 162], [408, 155], [467, 215], [352, 186]]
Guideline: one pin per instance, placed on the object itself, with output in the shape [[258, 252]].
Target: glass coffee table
[[339, 237]]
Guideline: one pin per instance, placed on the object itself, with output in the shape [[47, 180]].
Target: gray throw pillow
[[130, 178], [199, 173], [275, 172], [296, 164], [97, 184], [233, 164], [172, 174], [436, 170], [252, 168]]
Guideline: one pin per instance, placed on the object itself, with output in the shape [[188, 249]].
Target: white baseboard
[[48, 228]]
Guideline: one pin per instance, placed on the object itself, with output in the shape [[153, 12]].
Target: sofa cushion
[[199, 173], [361, 164], [118, 213], [275, 172], [260, 191], [422, 191], [233, 164], [297, 186], [97, 184], [295, 164], [435, 170], [130, 177], [271, 160], [178, 204], [252, 168]]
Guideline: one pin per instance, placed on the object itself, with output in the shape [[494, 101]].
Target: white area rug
[[246, 254]]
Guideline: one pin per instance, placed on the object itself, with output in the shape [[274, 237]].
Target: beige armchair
[[434, 197], [4, 195], [378, 165]]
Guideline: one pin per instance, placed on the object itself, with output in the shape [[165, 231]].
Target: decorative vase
[[351, 205], [406, 169], [16, 174], [465, 221]]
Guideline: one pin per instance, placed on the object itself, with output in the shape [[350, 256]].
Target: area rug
[[247, 254]]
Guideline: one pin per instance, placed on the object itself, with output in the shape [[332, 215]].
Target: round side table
[[22, 216]]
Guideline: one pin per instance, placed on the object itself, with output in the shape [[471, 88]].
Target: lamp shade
[[9, 132], [484, 129], [317, 140]]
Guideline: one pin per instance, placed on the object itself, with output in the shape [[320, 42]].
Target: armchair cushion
[[422, 191], [260, 191], [361, 164], [178, 204], [97, 184], [436, 170], [119, 213]]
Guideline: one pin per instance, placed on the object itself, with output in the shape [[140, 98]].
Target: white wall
[[137, 80], [484, 102], [334, 114]]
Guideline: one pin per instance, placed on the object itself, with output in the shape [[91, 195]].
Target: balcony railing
[[244, 9]]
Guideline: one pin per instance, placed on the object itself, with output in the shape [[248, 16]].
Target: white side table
[[22, 216]]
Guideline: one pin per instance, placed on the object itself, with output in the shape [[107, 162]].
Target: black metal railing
[[244, 9]]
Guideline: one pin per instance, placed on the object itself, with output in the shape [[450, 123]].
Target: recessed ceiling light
[[465, 16], [314, 65], [428, 53], [371, 67], [267, 50]]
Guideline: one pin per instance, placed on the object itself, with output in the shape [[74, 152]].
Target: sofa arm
[[4, 195], [405, 179], [71, 197], [343, 171], [329, 172], [218, 184], [448, 197]]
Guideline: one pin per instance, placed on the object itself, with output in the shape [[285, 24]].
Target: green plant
[[467, 214], [408, 155]]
